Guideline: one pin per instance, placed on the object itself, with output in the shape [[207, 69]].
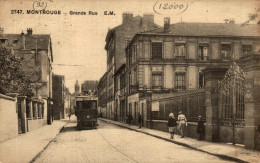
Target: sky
[[79, 40]]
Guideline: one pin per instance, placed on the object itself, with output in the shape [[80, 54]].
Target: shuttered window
[[156, 50]]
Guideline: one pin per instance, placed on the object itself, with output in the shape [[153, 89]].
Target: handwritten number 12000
[[166, 6], [178, 8]]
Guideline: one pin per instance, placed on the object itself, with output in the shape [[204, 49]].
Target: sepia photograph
[[119, 81]]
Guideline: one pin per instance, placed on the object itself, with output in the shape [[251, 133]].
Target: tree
[[253, 17], [12, 77]]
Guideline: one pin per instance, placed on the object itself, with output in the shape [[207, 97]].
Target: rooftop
[[208, 29]]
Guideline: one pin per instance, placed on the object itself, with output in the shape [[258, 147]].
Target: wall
[[58, 97], [8, 118], [161, 125], [37, 123]]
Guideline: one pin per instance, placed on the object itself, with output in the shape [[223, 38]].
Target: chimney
[[23, 40], [166, 23], [1, 31], [127, 17], [29, 31], [148, 18], [231, 21]]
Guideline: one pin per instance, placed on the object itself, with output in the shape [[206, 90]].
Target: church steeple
[[77, 87]]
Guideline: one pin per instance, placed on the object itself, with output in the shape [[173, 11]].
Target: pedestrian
[[200, 128], [69, 115], [129, 119], [182, 123], [171, 125], [140, 120]]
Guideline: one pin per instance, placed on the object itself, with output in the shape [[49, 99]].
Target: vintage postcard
[[129, 81]]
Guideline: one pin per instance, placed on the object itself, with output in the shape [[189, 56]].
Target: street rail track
[[114, 147]]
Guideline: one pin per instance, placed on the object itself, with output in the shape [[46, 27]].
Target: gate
[[231, 106]]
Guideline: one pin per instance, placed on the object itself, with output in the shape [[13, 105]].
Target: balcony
[[203, 58], [179, 58], [133, 88]]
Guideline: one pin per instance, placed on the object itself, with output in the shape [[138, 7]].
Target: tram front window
[[86, 104]]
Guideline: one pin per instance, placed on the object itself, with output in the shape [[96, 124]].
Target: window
[[180, 81], [134, 54], [122, 81], [203, 52], [110, 93], [247, 49], [156, 50], [130, 109], [226, 51], [2, 40], [135, 77], [129, 51], [131, 56], [201, 80], [157, 80], [91, 104], [180, 51]]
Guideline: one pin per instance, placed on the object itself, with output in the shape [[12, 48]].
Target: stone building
[[116, 41], [172, 68], [102, 95], [120, 94], [58, 89], [36, 49]]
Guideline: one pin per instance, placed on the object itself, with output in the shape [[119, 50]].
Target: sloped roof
[[41, 41], [209, 29]]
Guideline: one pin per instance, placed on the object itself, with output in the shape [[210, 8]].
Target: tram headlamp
[[88, 116]]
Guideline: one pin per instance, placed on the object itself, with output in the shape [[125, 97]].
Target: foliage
[[12, 78], [252, 17]]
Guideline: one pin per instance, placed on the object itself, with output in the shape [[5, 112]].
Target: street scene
[[140, 81], [101, 146]]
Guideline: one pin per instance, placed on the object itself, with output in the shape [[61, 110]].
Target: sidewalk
[[224, 151], [25, 147]]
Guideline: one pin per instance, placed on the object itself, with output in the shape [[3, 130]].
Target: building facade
[[171, 69], [116, 41], [58, 97], [120, 94]]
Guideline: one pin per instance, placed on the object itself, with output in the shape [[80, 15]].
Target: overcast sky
[[80, 39]]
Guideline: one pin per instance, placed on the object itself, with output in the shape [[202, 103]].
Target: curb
[[221, 156], [44, 148]]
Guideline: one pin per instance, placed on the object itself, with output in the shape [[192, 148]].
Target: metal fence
[[190, 102]]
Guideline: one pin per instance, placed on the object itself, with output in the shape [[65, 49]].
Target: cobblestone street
[[110, 143]]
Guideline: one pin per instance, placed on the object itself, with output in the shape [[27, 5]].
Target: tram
[[86, 111]]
